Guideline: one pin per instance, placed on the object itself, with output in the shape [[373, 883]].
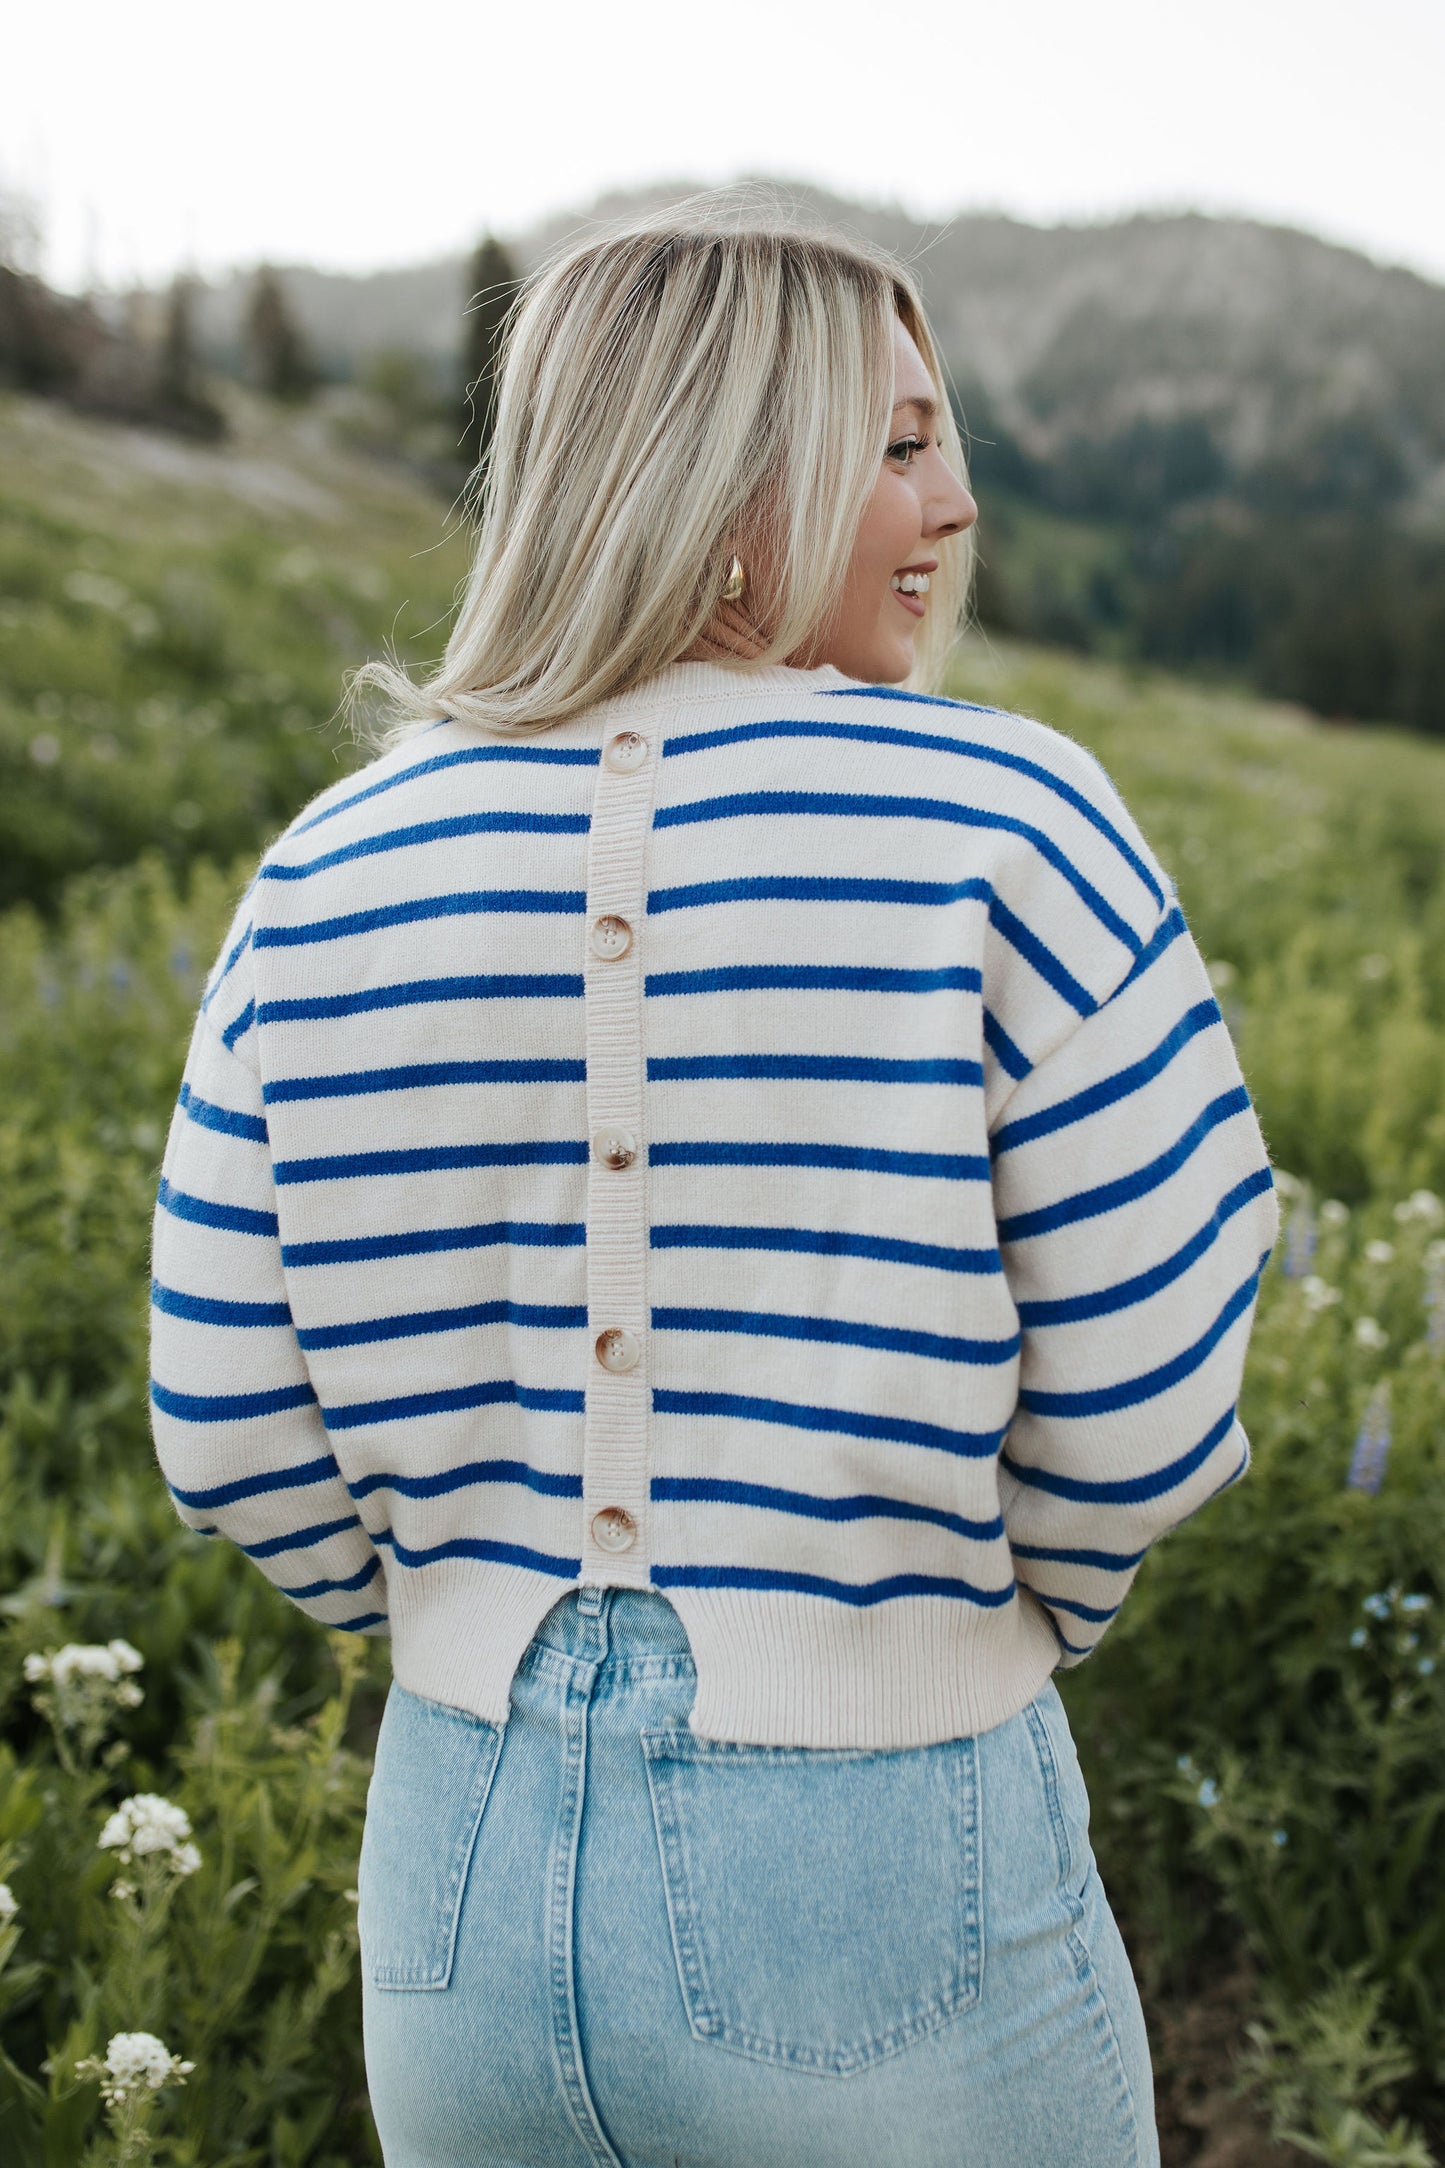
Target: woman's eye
[[903, 450]]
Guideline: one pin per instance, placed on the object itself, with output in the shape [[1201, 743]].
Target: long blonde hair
[[677, 391]]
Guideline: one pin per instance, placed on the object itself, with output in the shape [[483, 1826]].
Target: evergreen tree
[[281, 360], [492, 282], [181, 398]]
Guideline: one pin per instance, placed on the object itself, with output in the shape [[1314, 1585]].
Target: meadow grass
[[1263, 1729]]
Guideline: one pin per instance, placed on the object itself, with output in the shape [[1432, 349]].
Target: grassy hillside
[[1265, 1726]]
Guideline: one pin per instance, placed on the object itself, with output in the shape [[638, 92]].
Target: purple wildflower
[[1372, 1445]]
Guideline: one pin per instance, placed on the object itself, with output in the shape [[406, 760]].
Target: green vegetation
[[1264, 1726]]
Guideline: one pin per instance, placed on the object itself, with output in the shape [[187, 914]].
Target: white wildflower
[[146, 1824], [9, 1904], [1379, 1253], [1333, 1213], [1370, 1333], [1221, 974], [109, 1661], [79, 1688], [1287, 1184], [134, 2062], [1422, 1205], [1374, 967], [1317, 1293]]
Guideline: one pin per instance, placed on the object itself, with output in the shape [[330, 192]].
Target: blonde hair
[[671, 394]]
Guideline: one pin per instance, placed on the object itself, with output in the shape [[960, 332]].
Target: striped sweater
[[771, 1141]]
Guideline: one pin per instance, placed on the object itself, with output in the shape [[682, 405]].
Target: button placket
[[615, 1476]]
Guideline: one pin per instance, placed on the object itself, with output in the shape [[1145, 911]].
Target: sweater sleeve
[[238, 1431], [1135, 1211]]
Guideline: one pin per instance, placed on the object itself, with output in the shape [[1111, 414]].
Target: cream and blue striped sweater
[[886, 1141]]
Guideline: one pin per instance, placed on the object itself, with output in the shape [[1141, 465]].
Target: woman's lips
[[914, 604]]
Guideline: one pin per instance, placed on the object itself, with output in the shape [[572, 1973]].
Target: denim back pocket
[[433, 1770], [825, 1904]]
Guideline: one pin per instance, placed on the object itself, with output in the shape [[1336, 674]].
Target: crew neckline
[[715, 680]]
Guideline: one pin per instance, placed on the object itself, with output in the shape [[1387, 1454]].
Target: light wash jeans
[[591, 1938]]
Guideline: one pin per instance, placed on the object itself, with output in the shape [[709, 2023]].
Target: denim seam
[[566, 2037], [1073, 1905], [961, 1990], [430, 1976]]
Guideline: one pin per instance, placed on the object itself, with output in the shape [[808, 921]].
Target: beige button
[[617, 1350], [615, 1147], [627, 752], [611, 938], [614, 1529]]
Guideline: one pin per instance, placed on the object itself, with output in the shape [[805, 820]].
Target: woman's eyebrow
[[925, 406]]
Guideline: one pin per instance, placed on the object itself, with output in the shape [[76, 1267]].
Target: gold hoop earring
[[735, 585]]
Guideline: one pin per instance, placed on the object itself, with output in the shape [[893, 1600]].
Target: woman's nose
[[955, 510]]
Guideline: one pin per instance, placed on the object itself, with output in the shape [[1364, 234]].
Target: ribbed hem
[[772, 1669], [783, 1670], [458, 1632]]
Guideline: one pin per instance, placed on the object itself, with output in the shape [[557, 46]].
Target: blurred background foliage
[[1264, 1730]]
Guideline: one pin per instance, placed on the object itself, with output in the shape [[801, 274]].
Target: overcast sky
[[156, 133]]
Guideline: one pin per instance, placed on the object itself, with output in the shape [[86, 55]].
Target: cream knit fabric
[[771, 1141]]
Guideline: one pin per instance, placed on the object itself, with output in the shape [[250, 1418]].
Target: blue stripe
[[413, 993], [855, 1158], [816, 1068], [424, 832], [427, 1241], [837, 1332], [1099, 1561], [202, 1310], [825, 1242], [1131, 1392], [230, 1407], [224, 1120], [238, 1027], [704, 741], [1165, 934], [495, 1392], [1109, 1090], [233, 1219], [301, 1477], [1102, 1302], [447, 1480], [356, 1625], [237, 952], [839, 978], [796, 1415], [416, 1075], [411, 1325], [854, 805], [1038, 953], [497, 1554], [1088, 1612], [861, 1594], [465, 903], [1089, 1203], [299, 1539], [816, 888], [1011, 1058], [995, 755], [716, 1490], [572, 756], [312, 1589], [430, 1159], [1126, 1490]]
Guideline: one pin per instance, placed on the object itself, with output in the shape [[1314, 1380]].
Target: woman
[[712, 1199]]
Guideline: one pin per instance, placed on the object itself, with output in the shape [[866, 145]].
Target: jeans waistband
[[613, 1625]]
